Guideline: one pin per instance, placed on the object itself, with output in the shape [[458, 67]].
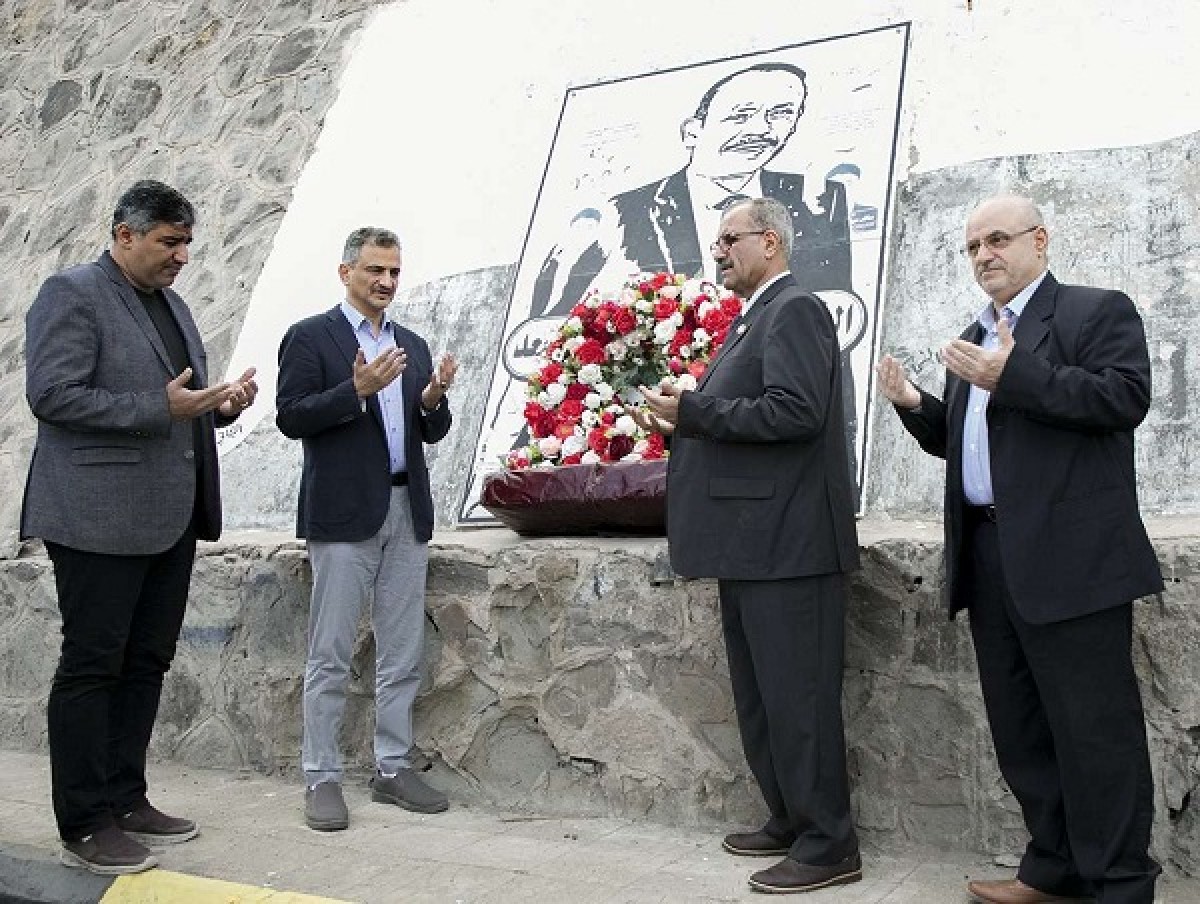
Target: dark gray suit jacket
[[1060, 435], [758, 483], [111, 472]]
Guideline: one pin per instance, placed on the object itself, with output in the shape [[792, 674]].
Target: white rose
[[592, 400], [701, 338], [605, 392], [633, 456], [572, 344], [590, 458], [573, 325], [590, 374], [692, 289], [625, 424], [685, 382], [669, 291], [574, 444], [589, 418], [641, 446], [558, 355], [556, 392], [644, 306], [617, 350], [543, 399], [664, 331], [550, 446], [593, 300]]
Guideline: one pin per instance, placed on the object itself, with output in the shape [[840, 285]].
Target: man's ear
[[343, 272], [689, 131]]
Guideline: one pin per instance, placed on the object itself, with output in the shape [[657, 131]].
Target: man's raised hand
[[370, 378], [185, 404]]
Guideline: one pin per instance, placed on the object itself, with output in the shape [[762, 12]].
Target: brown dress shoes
[[791, 876], [1012, 891]]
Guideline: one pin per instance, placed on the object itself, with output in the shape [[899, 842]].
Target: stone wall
[[576, 677]]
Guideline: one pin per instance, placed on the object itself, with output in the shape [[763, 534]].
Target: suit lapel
[[136, 309], [343, 337], [675, 225], [1033, 326], [742, 330]]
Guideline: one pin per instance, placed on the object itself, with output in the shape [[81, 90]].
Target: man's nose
[[181, 254]]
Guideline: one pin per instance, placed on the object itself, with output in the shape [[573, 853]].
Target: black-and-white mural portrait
[[642, 168]]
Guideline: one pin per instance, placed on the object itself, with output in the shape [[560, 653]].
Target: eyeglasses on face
[[995, 241], [727, 240]]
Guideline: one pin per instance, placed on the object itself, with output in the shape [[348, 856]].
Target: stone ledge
[[570, 676]]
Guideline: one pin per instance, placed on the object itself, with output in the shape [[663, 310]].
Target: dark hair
[[367, 235], [702, 109], [147, 203]]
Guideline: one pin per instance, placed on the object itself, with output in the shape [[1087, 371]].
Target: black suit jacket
[[345, 486], [1060, 430], [758, 483]]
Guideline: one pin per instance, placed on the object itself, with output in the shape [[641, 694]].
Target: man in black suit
[[364, 396], [1046, 550], [760, 497]]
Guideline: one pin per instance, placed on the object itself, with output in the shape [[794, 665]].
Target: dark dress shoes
[[1012, 891], [791, 876], [755, 844], [149, 825], [107, 852]]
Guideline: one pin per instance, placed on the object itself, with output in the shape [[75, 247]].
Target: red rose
[[697, 369], [731, 305], [550, 373], [625, 321], [580, 311], [655, 446], [619, 446], [590, 352], [572, 459], [572, 408], [664, 308], [675, 366], [608, 419], [597, 440], [681, 338], [565, 430], [577, 391], [660, 280]]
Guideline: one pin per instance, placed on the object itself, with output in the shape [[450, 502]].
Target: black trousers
[[121, 619], [786, 643], [1066, 717]]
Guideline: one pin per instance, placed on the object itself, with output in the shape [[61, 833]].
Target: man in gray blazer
[[759, 496], [122, 483]]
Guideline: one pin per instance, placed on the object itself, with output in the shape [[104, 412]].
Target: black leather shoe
[[789, 876], [755, 844]]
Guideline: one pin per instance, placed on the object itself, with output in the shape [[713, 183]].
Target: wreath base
[[618, 498]]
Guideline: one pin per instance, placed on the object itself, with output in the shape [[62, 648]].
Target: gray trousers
[[389, 570]]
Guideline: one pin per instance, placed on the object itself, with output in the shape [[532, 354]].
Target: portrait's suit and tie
[[1046, 550], [123, 482], [759, 496]]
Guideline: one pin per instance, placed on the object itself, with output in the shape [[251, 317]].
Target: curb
[[30, 875]]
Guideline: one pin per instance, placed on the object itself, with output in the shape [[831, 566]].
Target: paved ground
[[252, 834]]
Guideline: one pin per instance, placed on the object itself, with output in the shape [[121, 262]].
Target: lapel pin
[[741, 328]]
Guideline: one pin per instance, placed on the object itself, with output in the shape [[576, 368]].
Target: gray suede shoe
[[408, 790], [325, 808]]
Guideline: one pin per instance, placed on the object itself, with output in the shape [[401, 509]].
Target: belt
[[400, 480], [977, 514]]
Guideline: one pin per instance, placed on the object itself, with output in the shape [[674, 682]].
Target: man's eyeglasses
[[729, 239], [995, 241]]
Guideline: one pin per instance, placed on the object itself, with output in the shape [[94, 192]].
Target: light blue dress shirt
[[976, 463], [391, 397]]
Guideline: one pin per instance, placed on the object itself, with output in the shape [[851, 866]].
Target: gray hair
[[367, 235], [769, 214], [147, 203]]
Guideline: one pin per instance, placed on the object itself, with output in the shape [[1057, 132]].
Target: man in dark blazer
[[1046, 550], [363, 394], [123, 481], [760, 497]]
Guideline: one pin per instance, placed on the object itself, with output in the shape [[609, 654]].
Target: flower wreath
[[656, 326]]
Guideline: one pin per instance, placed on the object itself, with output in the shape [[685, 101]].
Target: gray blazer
[[111, 472]]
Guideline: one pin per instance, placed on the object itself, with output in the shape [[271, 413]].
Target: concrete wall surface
[[576, 677]]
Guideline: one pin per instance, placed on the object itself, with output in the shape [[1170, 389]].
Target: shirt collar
[[357, 319], [987, 317], [759, 291]]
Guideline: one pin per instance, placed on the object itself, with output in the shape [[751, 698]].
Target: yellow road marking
[[159, 886]]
